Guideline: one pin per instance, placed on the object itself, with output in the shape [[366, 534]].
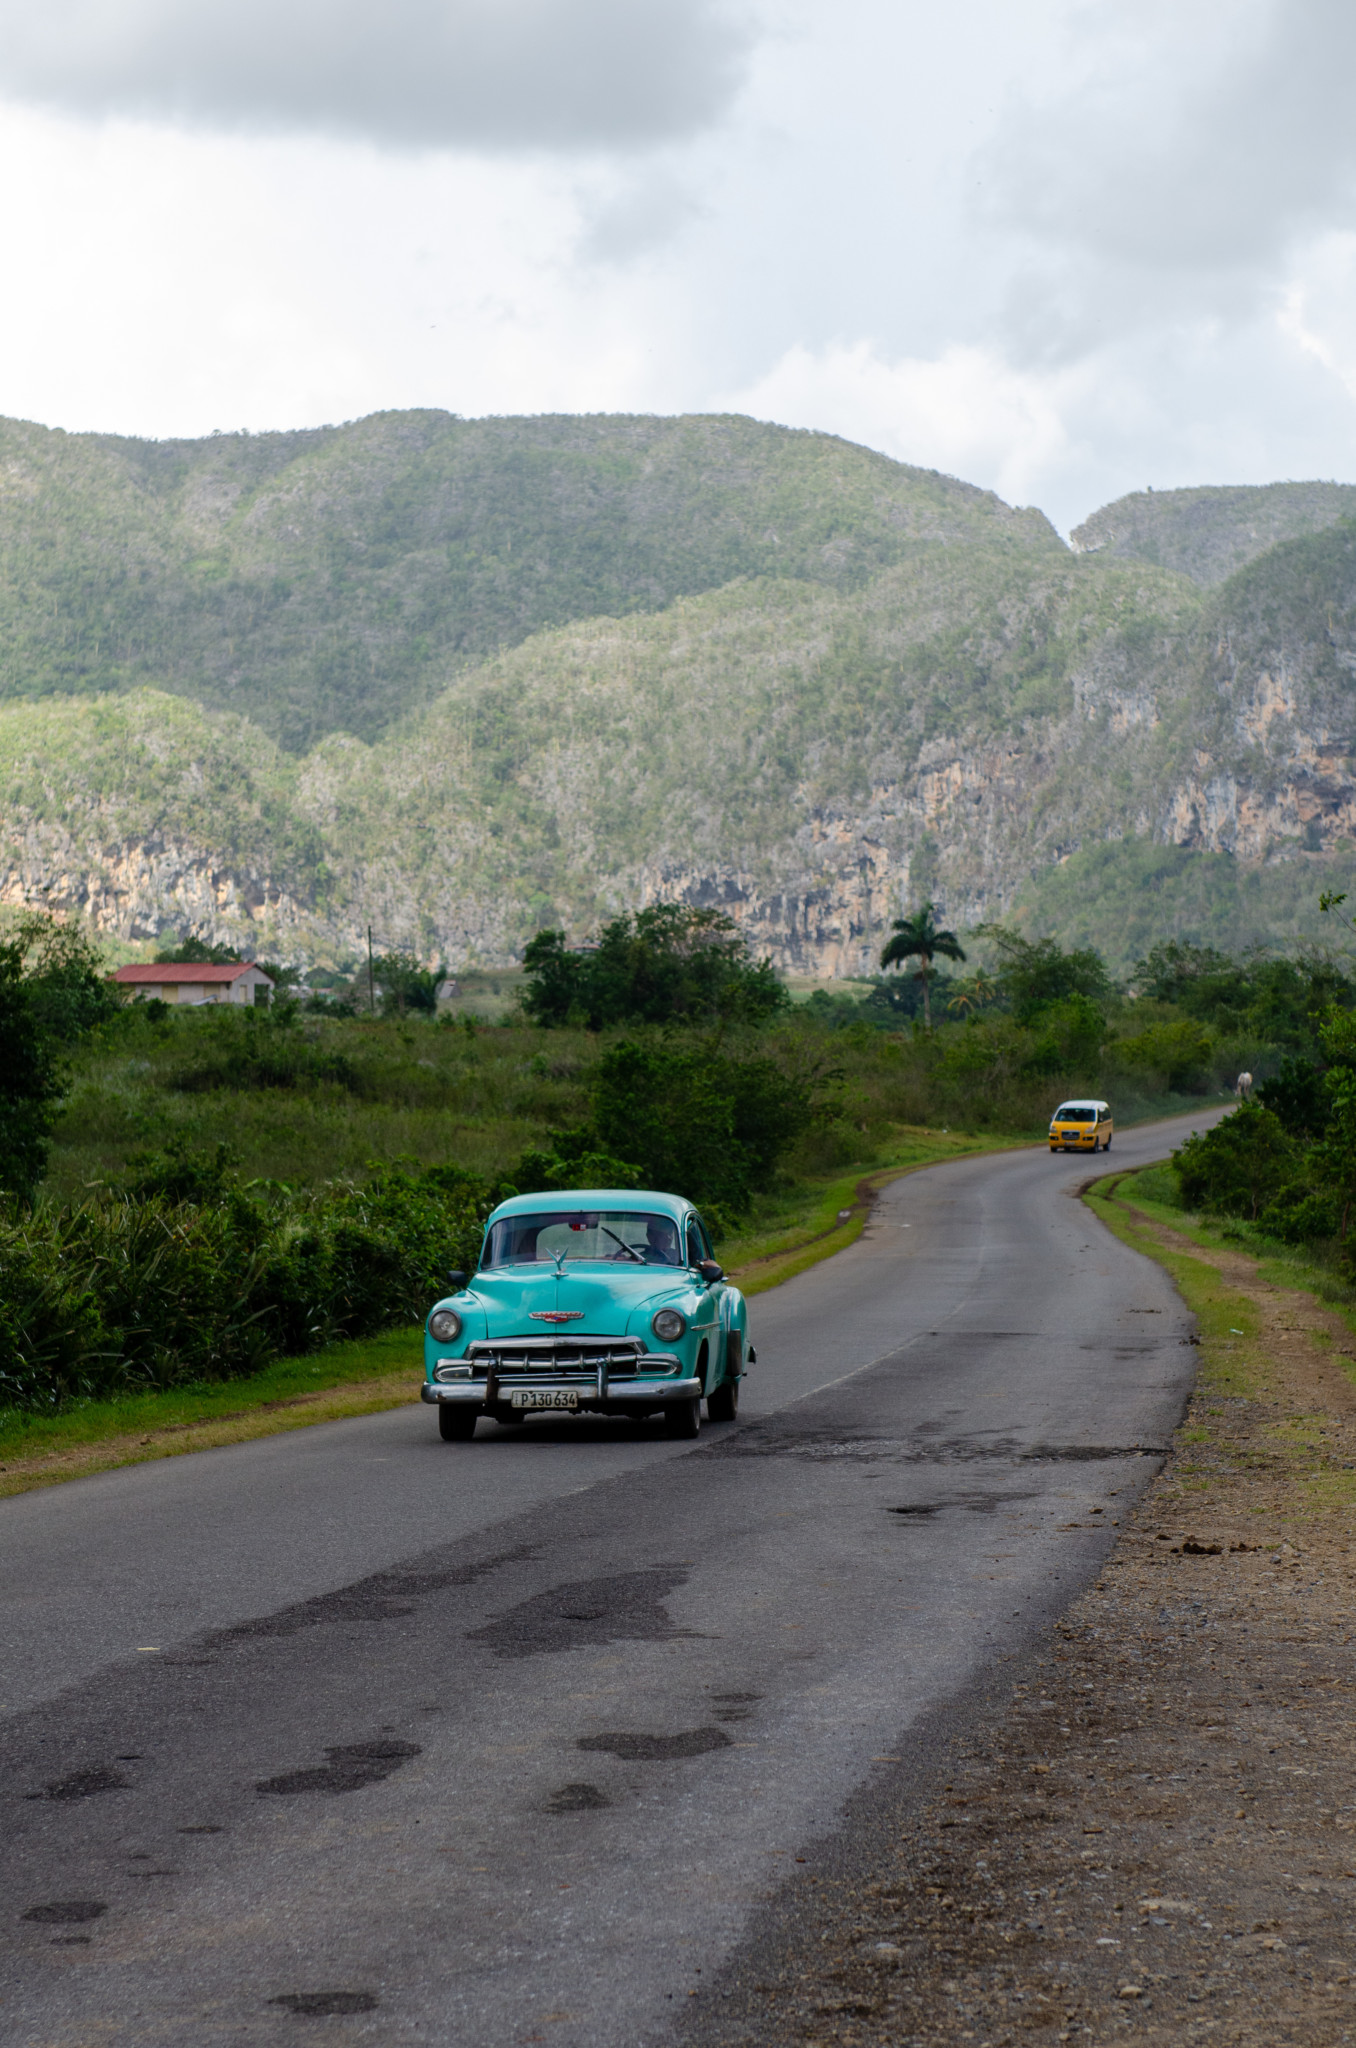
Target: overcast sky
[[1064, 250]]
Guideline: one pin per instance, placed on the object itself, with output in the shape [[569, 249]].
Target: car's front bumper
[[620, 1395]]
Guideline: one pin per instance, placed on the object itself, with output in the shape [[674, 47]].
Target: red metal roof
[[163, 972]]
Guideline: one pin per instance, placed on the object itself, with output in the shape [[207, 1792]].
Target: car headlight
[[444, 1325], [668, 1325]]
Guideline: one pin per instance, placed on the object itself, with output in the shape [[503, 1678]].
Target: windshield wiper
[[629, 1249]]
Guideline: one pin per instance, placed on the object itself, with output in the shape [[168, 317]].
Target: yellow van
[[1081, 1127]]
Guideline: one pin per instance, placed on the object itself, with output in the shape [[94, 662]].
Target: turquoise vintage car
[[596, 1299]]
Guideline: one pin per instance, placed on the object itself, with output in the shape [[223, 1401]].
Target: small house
[[193, 982]]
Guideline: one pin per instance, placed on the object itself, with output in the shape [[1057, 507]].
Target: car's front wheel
[[683, 1418], [722, 1403], [456, 1425]]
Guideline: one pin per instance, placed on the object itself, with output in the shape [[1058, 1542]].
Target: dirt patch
[[1155, 1841]]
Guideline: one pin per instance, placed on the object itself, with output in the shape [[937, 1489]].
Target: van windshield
[[630, 1237], [1075, 1113]]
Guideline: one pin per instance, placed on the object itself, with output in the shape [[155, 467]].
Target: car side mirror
[[456, 1279], [710, 1271]]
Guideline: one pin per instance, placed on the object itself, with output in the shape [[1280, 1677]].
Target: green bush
[[1066, 1036], [189, 1274], [1180, 1052], [671, 963], [52, 994], [1240, 1166], [1299, 1216], [246, 1049]]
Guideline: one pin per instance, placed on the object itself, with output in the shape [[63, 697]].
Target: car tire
[[683, 1418], [1107, 1146], [722, 1403], [456, 1425], [1096, 1145]]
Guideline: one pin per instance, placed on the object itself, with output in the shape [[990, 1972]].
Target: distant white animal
[[1243, 1087]]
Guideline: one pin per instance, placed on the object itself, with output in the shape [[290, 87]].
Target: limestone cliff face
[[814, 760]]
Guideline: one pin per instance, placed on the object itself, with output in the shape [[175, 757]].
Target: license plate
[[544, 1397]]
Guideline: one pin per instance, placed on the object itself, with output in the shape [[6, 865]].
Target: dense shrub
[[684, 1116], [671, 963], [1238, 1167], [1036, 972], [189, 1274], [1066, 1037], [52, 994], [262, 1049], [1179, 1051], [405, 985], [1296, 1094]]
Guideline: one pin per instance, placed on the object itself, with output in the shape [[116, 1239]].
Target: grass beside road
[[95, 1436], [791, 1233]]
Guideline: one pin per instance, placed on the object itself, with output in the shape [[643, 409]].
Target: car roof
[[566, 1200]]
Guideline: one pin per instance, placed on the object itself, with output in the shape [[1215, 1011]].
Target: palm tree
[[973, 994], [917, 938]]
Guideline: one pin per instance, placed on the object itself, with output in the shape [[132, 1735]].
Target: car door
[[710, 1320]]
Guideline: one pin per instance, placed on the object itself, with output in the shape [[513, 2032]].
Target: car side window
[[695, 1253], [705, 1235]]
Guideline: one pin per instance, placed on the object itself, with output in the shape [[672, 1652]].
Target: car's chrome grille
[[523, 1359]]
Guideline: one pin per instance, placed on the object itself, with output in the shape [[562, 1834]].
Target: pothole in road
[[971, 1503], [734, 1706], [648, 1749], [84, 1785], [385, 1596], [925, 1446], [67, 1912], [627, 1607], [351, 1766], [577, 1799], [323, 2005]]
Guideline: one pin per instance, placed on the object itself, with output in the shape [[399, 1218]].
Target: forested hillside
[[458, 680], [1210, 532], [333, 580]]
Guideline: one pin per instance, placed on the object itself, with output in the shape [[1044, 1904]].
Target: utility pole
[[371, 985]]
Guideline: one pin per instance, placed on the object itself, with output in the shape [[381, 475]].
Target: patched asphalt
[[529, 1738]]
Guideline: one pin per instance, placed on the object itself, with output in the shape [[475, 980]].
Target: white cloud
[[1318, 308], [1180, 160], [491, 74], [1059, 248], [965, 411]]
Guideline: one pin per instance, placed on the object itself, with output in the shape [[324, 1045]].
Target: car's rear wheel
[[683, 1418], [722, 1403], [456, 1425]]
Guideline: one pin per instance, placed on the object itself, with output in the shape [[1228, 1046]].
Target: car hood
[[516, 1301]]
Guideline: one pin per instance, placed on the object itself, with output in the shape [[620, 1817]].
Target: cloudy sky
[[1065, 248]]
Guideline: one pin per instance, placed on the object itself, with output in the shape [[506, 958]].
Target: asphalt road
[[478, 1744]]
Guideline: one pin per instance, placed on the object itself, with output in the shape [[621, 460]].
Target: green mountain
[[1210, 532], [460, 679], [334, 580]]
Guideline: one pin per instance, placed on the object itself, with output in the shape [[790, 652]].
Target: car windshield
[[626, 1237], [1076, 1113]]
